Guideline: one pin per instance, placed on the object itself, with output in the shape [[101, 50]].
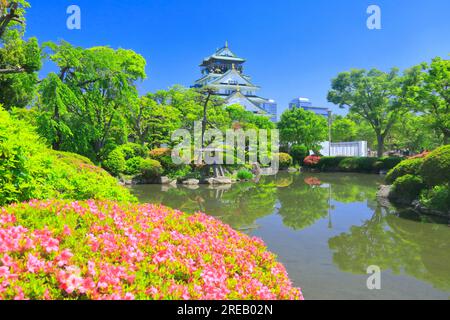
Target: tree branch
[[10, 16], [12, 70]]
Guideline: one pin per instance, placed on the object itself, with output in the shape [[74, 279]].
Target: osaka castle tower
[[224, 72]]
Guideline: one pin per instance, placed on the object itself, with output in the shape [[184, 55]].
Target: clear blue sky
[[293, 48]]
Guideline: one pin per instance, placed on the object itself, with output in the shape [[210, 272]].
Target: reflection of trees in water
[[348, 188], [419, 249], [246, 202], [239, 205], [305, 202], [302, 205]]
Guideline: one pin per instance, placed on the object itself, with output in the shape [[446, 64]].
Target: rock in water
[[191, 182]]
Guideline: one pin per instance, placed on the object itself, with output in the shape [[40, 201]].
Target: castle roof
[[223, 53], [239, 98]]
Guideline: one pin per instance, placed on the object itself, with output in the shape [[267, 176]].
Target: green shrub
[[115, 163], [298, 153], [438, 198], [117, 160], [358, 164], [150, 168], [285, 160], [348, 164], [435, 169], [406, 189], [71, 176], [329, 163], [132, 150], [244, 175], [387, 163], [182, 171], [164, 156], [18, 144], [29, 170], [409, 166], [133, 165]]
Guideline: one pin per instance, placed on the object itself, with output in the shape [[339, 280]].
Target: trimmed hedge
[[133, 165], [299, 153], [30, 170], [115, 163], [149, 168], [437, 198], [406, 189], [409, 166], [425, 178], [357, 164], [124, 159], [285, 160], [435, 169]]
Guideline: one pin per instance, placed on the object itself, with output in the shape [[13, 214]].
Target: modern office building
[[224, 72], [306, 104]]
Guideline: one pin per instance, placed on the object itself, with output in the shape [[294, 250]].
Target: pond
[[327, 229]]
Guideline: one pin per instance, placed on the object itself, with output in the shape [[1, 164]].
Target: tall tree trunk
[[446, 137], [58, 140], [380, 147], [205, 119]]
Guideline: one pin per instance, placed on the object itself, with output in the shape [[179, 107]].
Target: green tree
[[19, 59], [343, 129], [151, 122], [247, 119], [377, 97], [299, 153], [301, 127], [89, 97], [415, 132], [190, 103], [432, 94], [364, 131]]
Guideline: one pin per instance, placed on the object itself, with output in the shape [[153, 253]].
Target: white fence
[[345, 149]]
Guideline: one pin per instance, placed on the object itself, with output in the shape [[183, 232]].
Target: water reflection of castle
[[223, 71]]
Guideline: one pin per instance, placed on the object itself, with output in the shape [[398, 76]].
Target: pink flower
[[4, 272], [34, 265], [73, 283], [129, 296], [131, 251], [91, 268], [67, 231], [87, 285], [20, 295], [64, 258], [47, 295], [50, 244]]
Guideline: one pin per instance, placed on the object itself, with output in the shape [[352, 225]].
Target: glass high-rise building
[[306, 104]]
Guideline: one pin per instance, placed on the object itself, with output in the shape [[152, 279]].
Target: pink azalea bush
[[311, 160], [108, 250]]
